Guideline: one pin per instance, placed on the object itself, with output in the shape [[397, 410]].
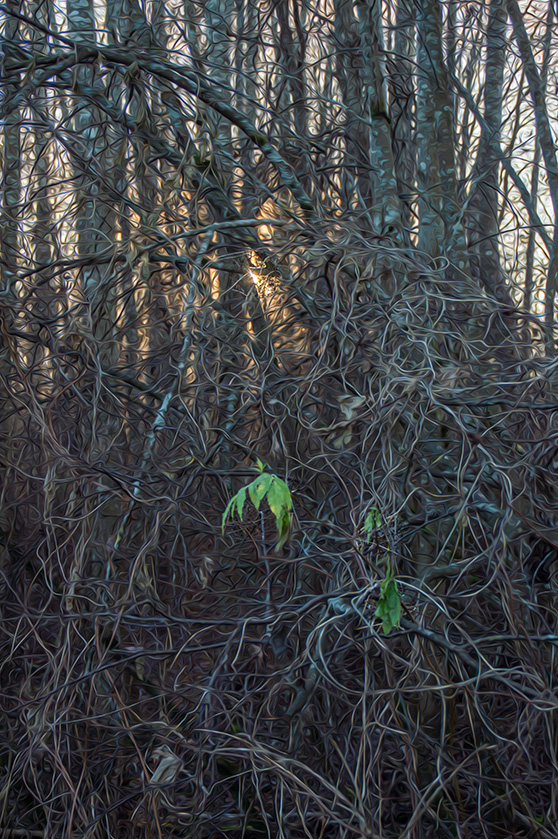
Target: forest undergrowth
[[278, 430], [163, 676]]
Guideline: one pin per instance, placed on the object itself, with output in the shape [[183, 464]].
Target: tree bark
[[484, 203]]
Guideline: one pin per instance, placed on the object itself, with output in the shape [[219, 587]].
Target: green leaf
[[278, 497], [236, 502], [259, 465], [389, 605], [391, 594], [240, 499], [280, 504], [259, 488], [372, 522], [226, 513], [283, 527]]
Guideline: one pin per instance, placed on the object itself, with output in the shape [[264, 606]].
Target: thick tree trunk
[[402, 107], [548, 150], [11, 167], [441, 229], [485, 200]]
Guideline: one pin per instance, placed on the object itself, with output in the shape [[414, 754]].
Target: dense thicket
[[322, 235]]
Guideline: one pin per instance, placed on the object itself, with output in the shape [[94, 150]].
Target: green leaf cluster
[[275, 490], [389, 604], [372, 522]]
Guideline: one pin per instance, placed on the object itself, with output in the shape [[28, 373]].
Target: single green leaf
[[226, 513], [391, 594], [259, 488], [259, 465], [283, 527], [240, 499], [395, 613], [278, 498], [389, 605], [381, 613]]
